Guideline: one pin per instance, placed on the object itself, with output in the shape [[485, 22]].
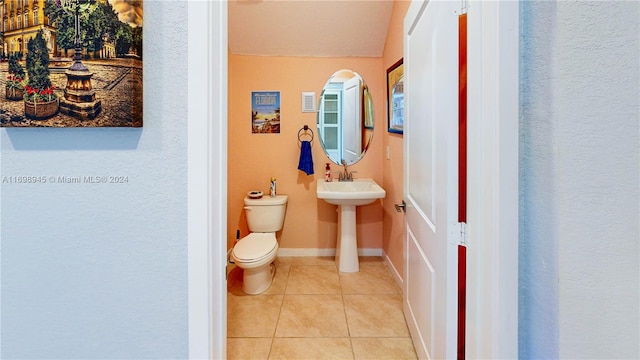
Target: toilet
[[256, 252]]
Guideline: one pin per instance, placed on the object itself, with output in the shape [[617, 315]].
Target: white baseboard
[[396, 275], [295, 252]]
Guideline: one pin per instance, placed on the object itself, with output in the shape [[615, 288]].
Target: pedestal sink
[[347, 195]]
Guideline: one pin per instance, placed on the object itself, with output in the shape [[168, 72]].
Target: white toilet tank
[[266, 214]]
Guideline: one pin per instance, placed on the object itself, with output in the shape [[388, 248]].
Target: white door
[[352, 120], [431, 173]]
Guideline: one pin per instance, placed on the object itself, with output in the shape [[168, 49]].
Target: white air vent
[[308, 102]]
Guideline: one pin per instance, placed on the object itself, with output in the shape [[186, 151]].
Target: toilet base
[[257, 280]]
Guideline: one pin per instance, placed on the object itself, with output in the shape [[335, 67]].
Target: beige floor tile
[[311, 348], [375, 316], [371, 279], [234, 275], [371, 260], [383, 348], [234, 286], [314, 260], [312, 316], [313, 279], [248, 348], [252, 316], [284, 260], [312, 309]]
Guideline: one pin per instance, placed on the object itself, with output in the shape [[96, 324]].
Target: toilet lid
[[255, 246]]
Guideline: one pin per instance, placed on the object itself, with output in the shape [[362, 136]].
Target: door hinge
[[461, 233], [464, 6]]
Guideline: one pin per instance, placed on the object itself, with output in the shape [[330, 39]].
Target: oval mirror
[[345, 117]]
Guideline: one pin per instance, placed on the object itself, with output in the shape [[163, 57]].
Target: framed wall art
[[265, 112], [395, 97], [72, 63]]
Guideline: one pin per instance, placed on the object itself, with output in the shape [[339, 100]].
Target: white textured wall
[[538, 248], [580, 161], [100, 270]]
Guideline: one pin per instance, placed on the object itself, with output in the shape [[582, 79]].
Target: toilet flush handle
[[248, 208]]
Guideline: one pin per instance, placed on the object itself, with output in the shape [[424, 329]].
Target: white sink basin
[[347, 195], [356, 192]]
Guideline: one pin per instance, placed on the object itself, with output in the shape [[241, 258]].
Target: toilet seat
[[255, 247]]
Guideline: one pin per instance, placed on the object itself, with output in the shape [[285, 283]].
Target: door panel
[[421, 178], [420, 290], [352, 121], [431, 176]]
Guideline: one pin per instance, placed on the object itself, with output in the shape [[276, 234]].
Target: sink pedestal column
[[347, 246]]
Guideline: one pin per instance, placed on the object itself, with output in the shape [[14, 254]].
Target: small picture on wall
[[395, 98], [265, 112], [69, 63]]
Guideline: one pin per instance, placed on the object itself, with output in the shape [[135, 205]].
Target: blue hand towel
[[306, 162]]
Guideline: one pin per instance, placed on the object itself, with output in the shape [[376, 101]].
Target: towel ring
[[305, 131]]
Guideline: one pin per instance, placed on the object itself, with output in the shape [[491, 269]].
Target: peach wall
[[255, 158], [393, 176]]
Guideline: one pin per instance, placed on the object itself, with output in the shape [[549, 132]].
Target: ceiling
[[316, 28]]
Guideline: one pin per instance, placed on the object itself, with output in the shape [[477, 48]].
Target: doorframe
[[207, 179], [492, 212], [492, 279]]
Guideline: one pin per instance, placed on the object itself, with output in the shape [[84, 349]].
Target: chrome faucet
[[345, 175]]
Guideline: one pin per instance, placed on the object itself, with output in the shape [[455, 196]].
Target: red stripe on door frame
[[462, 177]]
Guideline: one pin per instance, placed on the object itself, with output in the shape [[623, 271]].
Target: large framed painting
[[72, 63]]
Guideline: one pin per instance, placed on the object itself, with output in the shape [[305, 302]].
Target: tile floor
[[312, 311]]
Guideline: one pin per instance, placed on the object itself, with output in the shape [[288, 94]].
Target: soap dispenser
[[327, 173], [272, 187]]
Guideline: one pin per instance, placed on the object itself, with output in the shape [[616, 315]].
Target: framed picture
[[265, 112], [395, 97], [48, 82]]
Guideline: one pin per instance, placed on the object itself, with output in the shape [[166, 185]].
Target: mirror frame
[[367, 116], [395, 73]]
